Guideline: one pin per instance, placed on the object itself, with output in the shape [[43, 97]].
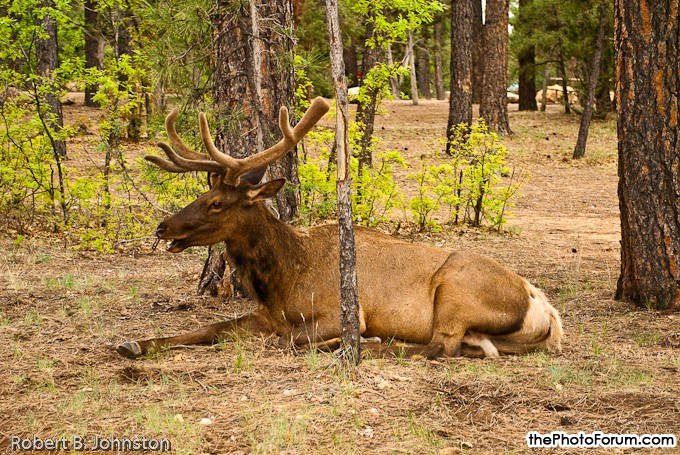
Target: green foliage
[[374, 193], [469, 185]]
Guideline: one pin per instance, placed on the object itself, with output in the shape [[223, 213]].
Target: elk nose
[[160, 230]]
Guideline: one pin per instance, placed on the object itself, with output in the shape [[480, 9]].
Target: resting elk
[[444, 303]]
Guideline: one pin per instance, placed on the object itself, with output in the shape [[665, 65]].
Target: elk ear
[[266, 190], [255, 176], [215, 179]]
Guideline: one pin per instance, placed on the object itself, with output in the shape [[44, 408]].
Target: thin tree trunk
[[494, 106], [460, 101], [351, 63], [423, 66], [349, 296], [412, 66], [365, 115], [544, 88], [565, 81], [603, 101], [94, 46], [647, 85], [438, 65], [580, 148], [394, 85], [477, 49]]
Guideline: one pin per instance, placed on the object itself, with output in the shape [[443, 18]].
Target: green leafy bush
[[470, 185]]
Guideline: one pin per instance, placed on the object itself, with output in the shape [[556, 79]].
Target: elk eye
[[216, 205]]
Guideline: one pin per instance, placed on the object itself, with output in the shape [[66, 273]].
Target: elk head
[[235, 183]]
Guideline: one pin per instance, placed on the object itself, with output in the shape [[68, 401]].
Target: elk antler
[[233, 168]]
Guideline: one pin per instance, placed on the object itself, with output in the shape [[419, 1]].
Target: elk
[[442, 302]]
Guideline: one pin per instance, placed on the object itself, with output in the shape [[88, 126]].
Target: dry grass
[[62, 311]]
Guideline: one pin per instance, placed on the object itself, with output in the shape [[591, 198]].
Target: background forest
[[134, 61]]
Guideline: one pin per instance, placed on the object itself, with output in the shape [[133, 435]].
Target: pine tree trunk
[[586, 117], [603, 101], [527, 71], [94, 46], [366, 111], [423, 66], [438, 65], [544, 87], [47, 61], [477, 46], [647, 85], [394, 84], [565, 81], [252, 79], [349, 296], [351, 63], [460, 101], [494, 106], [412, 65]]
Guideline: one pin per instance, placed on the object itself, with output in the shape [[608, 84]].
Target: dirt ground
[[63, 311]]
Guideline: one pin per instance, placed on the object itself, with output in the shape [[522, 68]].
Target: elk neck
[[266, 254]]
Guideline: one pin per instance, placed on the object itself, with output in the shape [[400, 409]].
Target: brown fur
[[454, 303]]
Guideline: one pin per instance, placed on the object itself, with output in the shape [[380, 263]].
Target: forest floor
[[62, 312]]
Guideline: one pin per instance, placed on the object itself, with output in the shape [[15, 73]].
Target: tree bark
[[94, 46], [351, 63], [254, 76], [349, 296], [412, 65], [477, 44], [647, 85], [544, 87], [47, 61], [494, 106], [394, 84], [365, 115], [565, 81], [586, 117], [438, 65], [527, 67], [460, 101], [423, 66]]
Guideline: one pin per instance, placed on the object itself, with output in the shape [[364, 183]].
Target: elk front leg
[[257, 322]]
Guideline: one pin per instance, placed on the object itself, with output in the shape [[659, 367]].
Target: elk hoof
[[129, 349], [370, 340]]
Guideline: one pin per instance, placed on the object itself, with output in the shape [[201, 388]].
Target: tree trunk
[[423, 66], [460, 101], [603, 101], [253, 78], [527, 71], [580, 148], [94, 46], [47, 61], [544, 88], [351, 63], [349, 296], [477, 46], [365, 115], [565, 81], [647, 85], [438, 65], [394, 84], [412, 66], [494, 106]]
